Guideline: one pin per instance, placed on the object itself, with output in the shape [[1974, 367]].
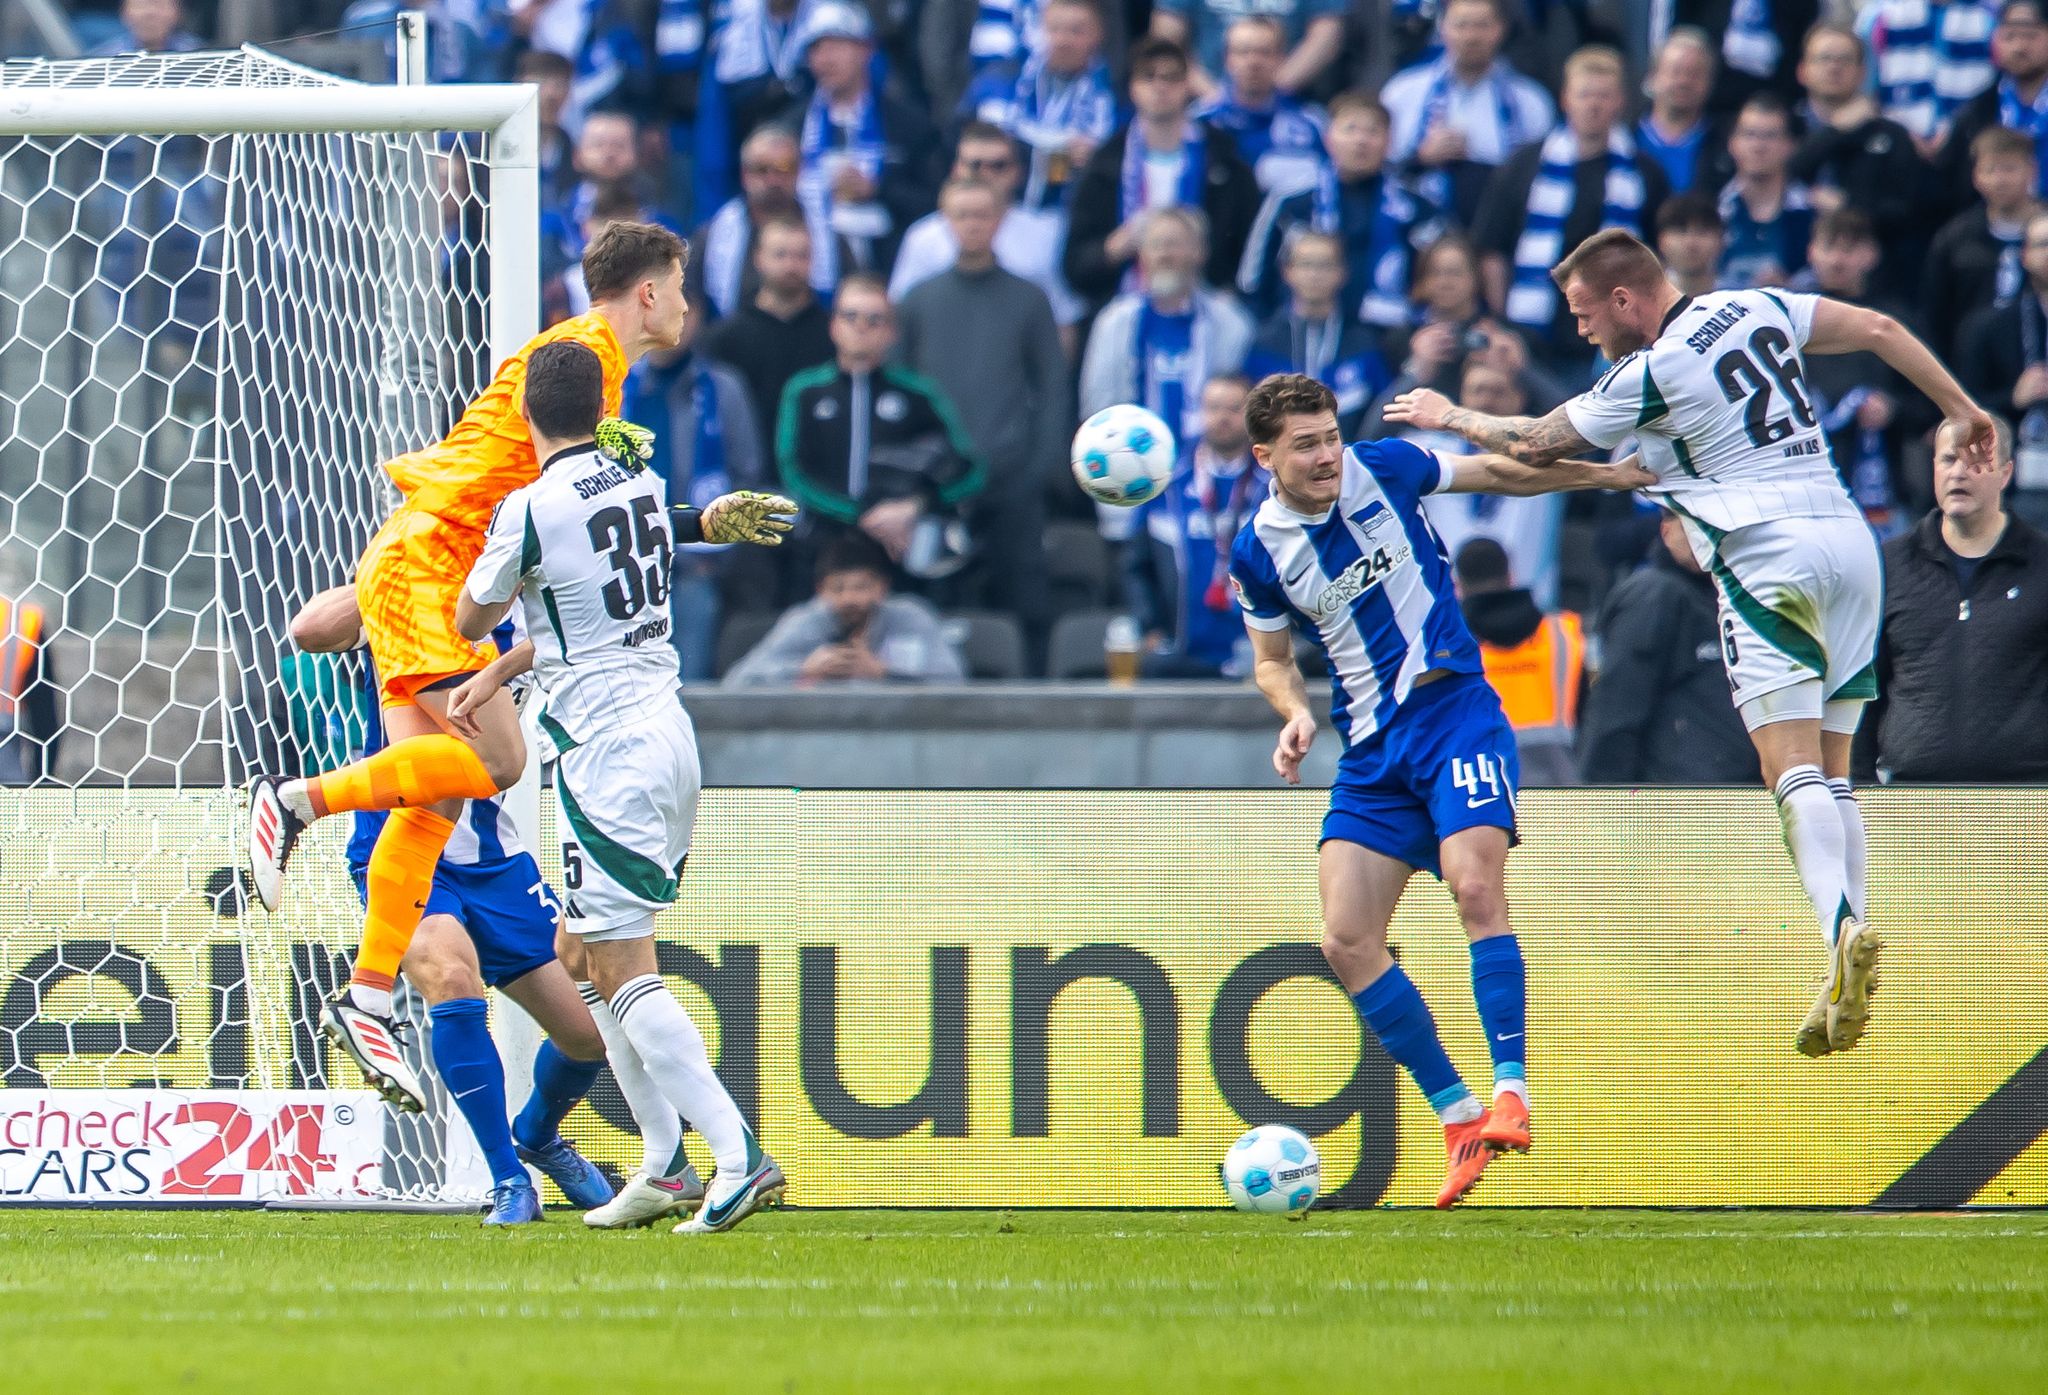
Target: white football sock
[[661, 1132], [1813, 832], [672, 1049], [1857, 845], [375, 1001], [295, 796]]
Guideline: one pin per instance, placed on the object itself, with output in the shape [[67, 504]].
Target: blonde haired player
[[1713, 388], [406, 585], [587, 547]]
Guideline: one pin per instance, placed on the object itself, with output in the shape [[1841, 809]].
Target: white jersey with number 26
[[1719, 407], [588, 548]]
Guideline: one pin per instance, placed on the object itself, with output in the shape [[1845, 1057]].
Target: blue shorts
[[1445, 763], [506, 906]]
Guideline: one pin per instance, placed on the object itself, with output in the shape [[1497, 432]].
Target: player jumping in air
[[406, 584], [587, 549], [1342, 552], [491, 920], [1713, 389]]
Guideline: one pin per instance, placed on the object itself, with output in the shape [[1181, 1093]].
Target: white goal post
[[230, 287]]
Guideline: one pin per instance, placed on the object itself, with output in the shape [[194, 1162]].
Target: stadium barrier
[[1080, 998]]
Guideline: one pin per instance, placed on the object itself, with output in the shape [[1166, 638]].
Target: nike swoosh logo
[[1299, 575], [1475, 803], [1505, 1036], [713, 1215]]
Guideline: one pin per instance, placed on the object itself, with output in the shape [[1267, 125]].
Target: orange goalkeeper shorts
[[406, 585]]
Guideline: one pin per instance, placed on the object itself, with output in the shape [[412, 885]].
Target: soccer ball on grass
[[1273, 1169], [1123, 455]]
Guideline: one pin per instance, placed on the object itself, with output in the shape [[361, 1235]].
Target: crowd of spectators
[[928, 235]]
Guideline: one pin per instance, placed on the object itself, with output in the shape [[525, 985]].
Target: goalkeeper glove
[[747, 516], [624, 442]]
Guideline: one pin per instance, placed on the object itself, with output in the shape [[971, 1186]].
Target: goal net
[[229, 287]]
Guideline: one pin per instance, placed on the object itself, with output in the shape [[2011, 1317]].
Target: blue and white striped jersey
[[1367, 581]]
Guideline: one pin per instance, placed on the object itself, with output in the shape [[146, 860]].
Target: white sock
[[673, 1051], [1511, 1087], [1813, 832], [1461, 1111], [661, 1132], [1857, 845], [295, 796], [375, 1001]]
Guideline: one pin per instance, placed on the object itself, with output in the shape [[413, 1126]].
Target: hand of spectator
[[889, 524], [1504, 352], [1422, 408], [1122, 245], [2032, 386], [851, 186], [827, 662], [861, 661], [1079, 148], [1826, 198], [1928, 146], [1876, 412], [1295, 739], [1443, 144], [1431, 349]]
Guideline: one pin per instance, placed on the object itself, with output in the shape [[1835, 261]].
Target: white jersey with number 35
[[1719, 406], [588, 548]]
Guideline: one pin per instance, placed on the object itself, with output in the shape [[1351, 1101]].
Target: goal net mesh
[[207, 344]]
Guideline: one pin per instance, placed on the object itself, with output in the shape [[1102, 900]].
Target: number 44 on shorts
[[1481, 773]]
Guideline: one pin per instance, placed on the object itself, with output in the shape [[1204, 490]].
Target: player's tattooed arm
[[1531, 440]]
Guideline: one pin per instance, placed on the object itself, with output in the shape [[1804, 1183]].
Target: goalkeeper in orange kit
[[406, 586]]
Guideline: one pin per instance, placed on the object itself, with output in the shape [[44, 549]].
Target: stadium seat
[[739, 633], [991, 644], [1076, 650], [1078, 566]]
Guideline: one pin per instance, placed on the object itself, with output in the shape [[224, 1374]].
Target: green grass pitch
[[1180, 1302]]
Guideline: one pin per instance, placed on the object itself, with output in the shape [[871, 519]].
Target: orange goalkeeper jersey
[[488, 454]]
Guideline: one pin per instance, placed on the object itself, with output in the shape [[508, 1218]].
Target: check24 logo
[[290, 1144]]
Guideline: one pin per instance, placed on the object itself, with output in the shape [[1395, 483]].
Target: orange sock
[[406, 774], [401, 874]]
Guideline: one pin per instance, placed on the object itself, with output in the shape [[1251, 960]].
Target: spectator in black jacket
[[2003, 350], [1759, 46], [1852, 156], [2018, 100], [1162, 158], [1962, 667], [783, 328], [1974, 262], [869, 162], [1659, 712], [861, 442], [1690, 146]]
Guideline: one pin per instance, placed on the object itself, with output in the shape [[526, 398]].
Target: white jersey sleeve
[[1798, 308], [510, 551], [1611, 410]]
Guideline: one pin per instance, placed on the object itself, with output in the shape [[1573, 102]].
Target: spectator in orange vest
[[1536, 662], [28, 692]]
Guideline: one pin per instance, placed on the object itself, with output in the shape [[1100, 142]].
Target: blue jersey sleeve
[[1402, 466], [1257, 584]]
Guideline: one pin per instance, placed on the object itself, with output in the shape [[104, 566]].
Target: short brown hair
[[1609, 258], [1281, 396], [1845, 224], [863, 281], [1994, 141], [1156, 52], [626, 253], [1357, 99]]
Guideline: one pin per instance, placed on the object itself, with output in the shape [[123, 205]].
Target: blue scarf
[[1436, 106], [1750, 44], [1193, 170], [610, 50], [679, 36], [1384, 300], [2030, 118], [864, 147], [1174, 399], [754, 44], [1044, 111], [1532, 298], [1287, 126], [1928, 66]]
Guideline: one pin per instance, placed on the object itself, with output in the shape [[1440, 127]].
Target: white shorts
[[1801, 603], [628, 807]]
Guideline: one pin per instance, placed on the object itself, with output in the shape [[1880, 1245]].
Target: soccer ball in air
[[1273, 1169], [1123, 455]]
